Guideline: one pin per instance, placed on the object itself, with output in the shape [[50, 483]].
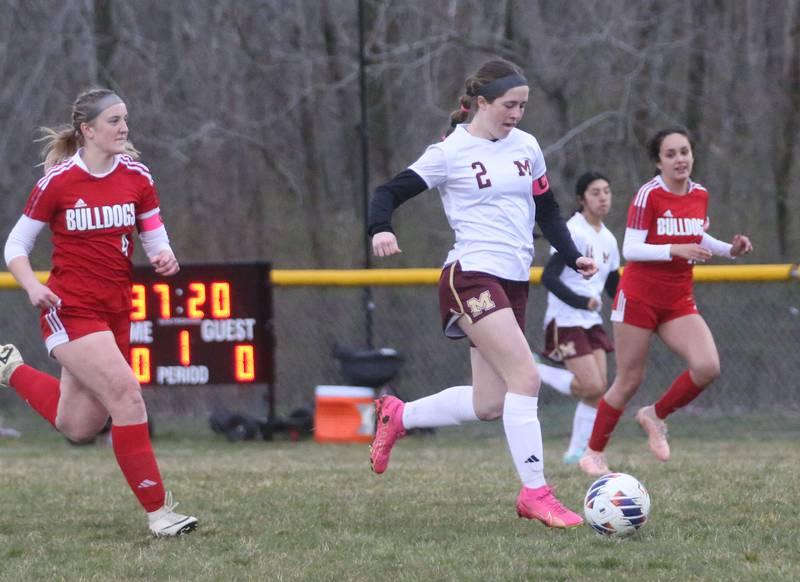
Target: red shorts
[[64, 324], [475, 295], [564, 343], [642, 314]]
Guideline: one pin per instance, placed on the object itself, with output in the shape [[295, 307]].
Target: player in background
[[665, 235], [573, 324], [93, 195], [493, 183]]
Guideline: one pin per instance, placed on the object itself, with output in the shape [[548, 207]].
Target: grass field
[[723, 509]]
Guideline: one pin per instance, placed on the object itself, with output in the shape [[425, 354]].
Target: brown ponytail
[[489, 71]]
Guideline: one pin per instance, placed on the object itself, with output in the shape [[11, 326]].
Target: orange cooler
[[344, 414]]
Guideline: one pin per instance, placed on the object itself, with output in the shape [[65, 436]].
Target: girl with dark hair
[[93, 195], [493, 183], [574, 334], [665, 235]]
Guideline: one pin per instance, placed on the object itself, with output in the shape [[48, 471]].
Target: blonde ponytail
[[62, 142]]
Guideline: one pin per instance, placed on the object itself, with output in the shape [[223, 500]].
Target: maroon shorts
[[642, 314], [563, 343], [64, 324], [475, 295]]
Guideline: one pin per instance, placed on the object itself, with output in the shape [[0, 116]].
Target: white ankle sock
[[524, 436], [449, 407], [556, 378], [582, 424]]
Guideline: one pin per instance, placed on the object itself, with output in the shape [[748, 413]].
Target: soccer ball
[[616, 505]]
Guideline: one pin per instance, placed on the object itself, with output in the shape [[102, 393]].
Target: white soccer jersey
[[487, 192], [602, 247]]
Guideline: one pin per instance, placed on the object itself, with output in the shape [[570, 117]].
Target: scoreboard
[[208, 324]]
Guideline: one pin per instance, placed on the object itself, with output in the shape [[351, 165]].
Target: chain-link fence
[[756, 326]]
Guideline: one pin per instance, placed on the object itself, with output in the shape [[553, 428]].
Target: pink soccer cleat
[[389, 414], [594, 463], [541, 504], [656, 430]]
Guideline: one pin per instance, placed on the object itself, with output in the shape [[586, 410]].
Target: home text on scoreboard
[[208, 324]]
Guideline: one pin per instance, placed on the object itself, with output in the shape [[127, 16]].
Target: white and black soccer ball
[[616, 505]]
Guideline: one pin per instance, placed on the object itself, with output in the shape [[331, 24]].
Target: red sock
[[681, 393], [138, 463], [604, 424], [41, 391]]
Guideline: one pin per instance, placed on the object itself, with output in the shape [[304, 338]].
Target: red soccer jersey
[[92, 218], [668, 219]]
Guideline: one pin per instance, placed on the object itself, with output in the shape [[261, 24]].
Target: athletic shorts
[[642, 314], [564, 343], [64, 324], [475, 295]]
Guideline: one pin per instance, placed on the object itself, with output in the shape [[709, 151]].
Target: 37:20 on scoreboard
[[208, 324]]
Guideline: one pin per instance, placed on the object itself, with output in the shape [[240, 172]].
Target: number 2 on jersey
[[483, 180]]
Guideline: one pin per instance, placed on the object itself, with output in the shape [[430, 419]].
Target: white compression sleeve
[[22, 237], [716, 246], [635, 249], [154, 241]]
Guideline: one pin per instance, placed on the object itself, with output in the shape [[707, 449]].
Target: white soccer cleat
[[10, 360], [165, 522]]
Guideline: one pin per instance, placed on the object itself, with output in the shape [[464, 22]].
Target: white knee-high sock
[[582, 424], [449, 407], [524, 436], [556, 377]]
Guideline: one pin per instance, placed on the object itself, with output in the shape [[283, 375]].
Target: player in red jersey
[[665, 236], [93, 195]]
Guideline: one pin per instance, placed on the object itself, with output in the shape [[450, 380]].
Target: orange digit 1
[[220, 299], [138, 302], [185, 355], [140, 362], [162, 290], [244, 363], [199, 298]]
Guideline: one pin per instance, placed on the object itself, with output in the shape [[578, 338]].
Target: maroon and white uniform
[[92, 217], [662, 286]]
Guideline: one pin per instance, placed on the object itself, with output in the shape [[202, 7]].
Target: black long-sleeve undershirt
[[611, 283], [551, 279], [548, 217], [403, 187]]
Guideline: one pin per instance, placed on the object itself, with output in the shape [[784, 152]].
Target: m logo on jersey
[[671, 226], [483, 302], [523, 167], [98, 217]]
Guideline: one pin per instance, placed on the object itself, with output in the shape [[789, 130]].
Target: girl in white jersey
[[574, 332], [493, 183]]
